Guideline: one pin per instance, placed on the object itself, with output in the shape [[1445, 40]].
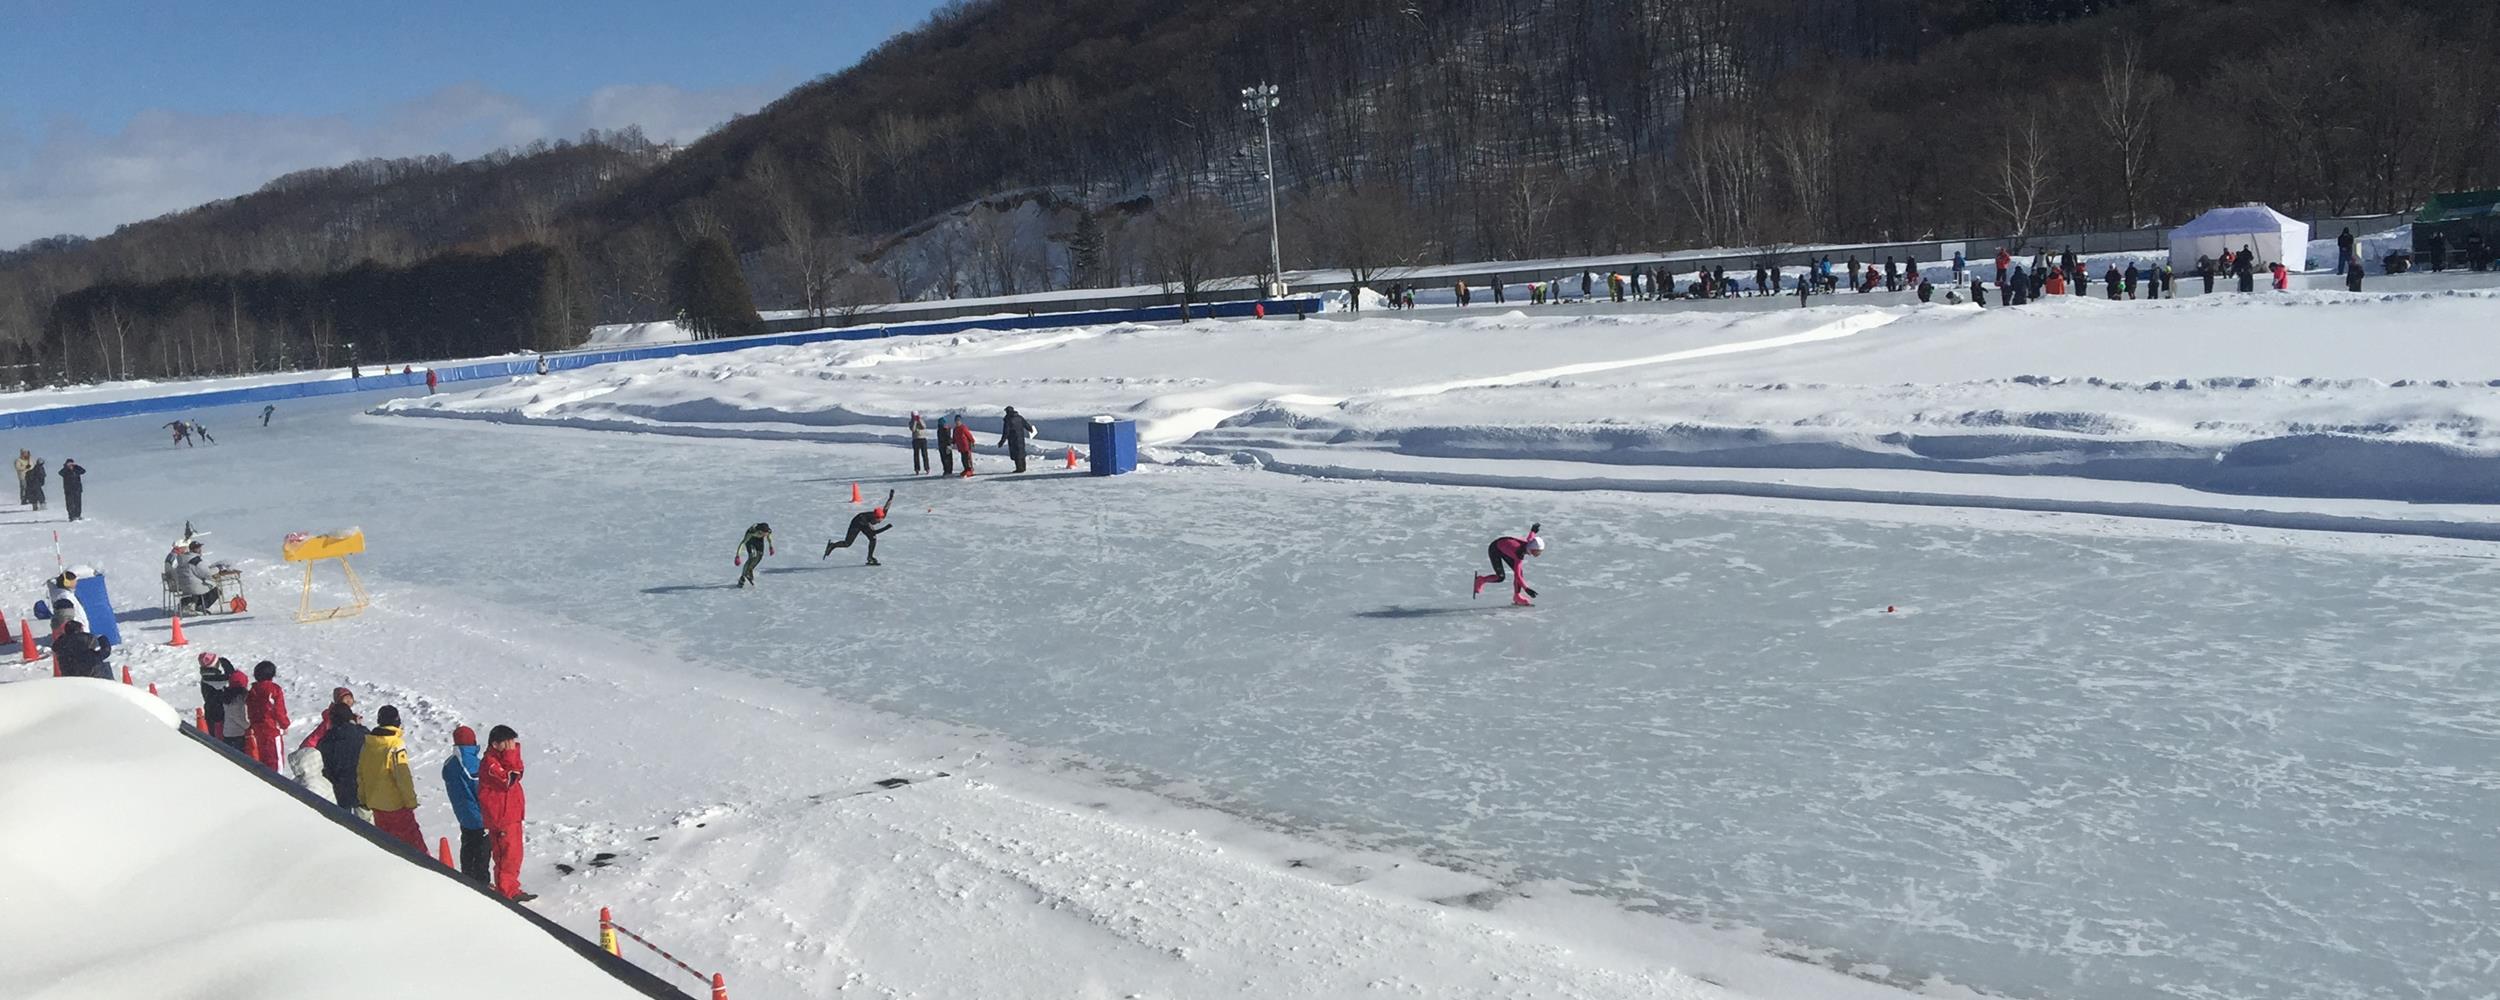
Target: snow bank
[[2382, 395], [638, 334], [140, 864]]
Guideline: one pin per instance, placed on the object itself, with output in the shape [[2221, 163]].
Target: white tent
[[2269, 236]]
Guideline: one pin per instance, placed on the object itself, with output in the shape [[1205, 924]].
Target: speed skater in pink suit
[[1506, 553]]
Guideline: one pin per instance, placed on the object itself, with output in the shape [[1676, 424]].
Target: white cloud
[[70, 179]]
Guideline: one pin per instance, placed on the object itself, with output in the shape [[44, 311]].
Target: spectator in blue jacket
[[460, 786]]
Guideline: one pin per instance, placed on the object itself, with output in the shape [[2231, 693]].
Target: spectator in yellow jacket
[[384, 782]]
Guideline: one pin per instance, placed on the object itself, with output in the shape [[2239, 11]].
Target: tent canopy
[[2460, 205], [2269, 235]]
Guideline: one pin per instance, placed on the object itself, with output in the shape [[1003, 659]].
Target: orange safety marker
[[199, 719], [152, 691], [854, 492], [720, 990], [126, 676], [607, 933], [26, 639], [443, 846], [1071, 456], [177, 640]]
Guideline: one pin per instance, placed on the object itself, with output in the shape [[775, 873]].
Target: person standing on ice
[[866, 523], [431, 380], [34, 484], [755, 544], [542, 364], [25, 464], [212, 695], [2344, 255], [74, 486], [266, 739], [342, 750], [265, 411], [1012, 431], [919, 446], [460, 786], [2352, 282], [384, 782], [945, 449], [503, 806], [963, 444], [1506, 553], [236, 731]]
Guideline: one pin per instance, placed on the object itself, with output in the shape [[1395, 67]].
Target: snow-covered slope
[[135, 863]]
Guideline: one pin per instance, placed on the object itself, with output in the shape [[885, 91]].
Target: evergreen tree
[[709, 294], [1085, 251]]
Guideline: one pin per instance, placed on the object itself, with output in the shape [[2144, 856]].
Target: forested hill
[[1013, 145]]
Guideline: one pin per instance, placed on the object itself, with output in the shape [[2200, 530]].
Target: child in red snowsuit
[[504, 805], [1506, 553], [963, 445], [265, 739]]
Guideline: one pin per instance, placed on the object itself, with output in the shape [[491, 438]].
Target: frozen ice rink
[[2083, 757]]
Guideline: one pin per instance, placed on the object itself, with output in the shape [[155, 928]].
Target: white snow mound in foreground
[[138, 864]]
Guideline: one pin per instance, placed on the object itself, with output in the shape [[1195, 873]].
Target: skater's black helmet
[[761, 526]]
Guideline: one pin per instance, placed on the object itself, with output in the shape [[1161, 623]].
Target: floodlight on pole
[[1261, 100]]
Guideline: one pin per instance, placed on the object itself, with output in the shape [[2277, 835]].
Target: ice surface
[[2080, 759]]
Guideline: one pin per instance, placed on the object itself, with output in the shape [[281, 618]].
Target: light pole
[[1261, 101]]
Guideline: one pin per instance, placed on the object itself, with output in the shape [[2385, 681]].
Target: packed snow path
[[2083, 758]]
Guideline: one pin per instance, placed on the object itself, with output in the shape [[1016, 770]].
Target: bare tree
[[1196, 239], [1370, 230], [2022, 189], [792, 221], [2130, 94], [1806, 144]]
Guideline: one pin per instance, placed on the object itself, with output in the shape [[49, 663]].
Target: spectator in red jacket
[[963, 444], [431, 381], [500, 798], [338, 696], [265, 741]]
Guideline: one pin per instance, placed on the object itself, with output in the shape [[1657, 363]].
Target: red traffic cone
[[199, 719], [126, 676], [177, 640], [26, 639], [1071, 456], [442, 846], [152, 690], [854, 492], [720, 989]]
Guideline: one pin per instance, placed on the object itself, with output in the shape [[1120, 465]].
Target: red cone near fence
[[443, 846], [126, 676], [26, 638], [152, 690], [1071, 456], [854, 492], [199, 719], [177, 640]]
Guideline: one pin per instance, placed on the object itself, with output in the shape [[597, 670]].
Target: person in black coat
[[2244, 267], [73, 486], [2205, 271], [80, 654], [1012, 431], [2352, 275], [2117, 282], [2438, 247], [341, 748], [34, 484]]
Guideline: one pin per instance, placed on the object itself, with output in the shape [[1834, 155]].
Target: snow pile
[[138, 862], [638, 334], [2381, 395]]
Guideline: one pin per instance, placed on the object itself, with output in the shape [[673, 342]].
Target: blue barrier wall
[[333, 385]]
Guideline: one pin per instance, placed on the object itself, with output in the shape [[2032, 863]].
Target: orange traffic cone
[[152, 690], [720, 989], [126, 676], [854, 492], [26, 639], [443, 846], [199, 719], [177, 640], [1071, 456]]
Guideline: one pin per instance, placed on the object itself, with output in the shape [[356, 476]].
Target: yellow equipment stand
[[310, 549]]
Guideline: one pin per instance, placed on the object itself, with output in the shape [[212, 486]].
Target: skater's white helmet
[[1536, 546]]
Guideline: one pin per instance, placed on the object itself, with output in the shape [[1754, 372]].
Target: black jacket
[[1014, 429], [341, 747], [81, 654], [73, 478]]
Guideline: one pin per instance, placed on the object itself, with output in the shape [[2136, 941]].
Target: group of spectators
[[364, 769], [33, 480]]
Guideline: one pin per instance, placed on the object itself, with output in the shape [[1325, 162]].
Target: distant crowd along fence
[[525, 364]]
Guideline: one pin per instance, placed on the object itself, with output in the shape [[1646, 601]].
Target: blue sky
[[112, 112]]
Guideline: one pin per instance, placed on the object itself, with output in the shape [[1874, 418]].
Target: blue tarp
[[528, 364]]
